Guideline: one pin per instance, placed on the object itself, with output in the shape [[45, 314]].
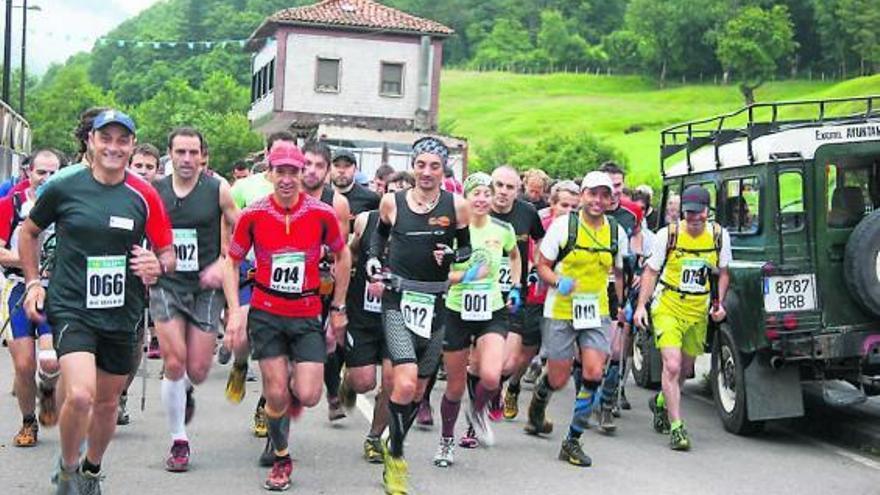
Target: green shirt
[[251, 189], [489, 242]]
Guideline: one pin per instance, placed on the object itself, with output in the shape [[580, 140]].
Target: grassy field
[[485, 106]]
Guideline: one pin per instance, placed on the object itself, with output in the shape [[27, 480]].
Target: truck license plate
[[790, 293]]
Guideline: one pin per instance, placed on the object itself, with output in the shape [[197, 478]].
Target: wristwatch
[[339, 309]]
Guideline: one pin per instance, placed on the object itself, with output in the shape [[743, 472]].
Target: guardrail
[[15, 140]]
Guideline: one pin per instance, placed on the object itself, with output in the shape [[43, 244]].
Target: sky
[[64, 27]]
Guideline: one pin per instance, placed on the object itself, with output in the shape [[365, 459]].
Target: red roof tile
[[358, 14]]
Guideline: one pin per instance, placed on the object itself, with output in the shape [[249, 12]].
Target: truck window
[[791, 200], [741, 203], [848, 194]]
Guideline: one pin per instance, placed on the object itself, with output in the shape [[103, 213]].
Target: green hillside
[[485, 106]]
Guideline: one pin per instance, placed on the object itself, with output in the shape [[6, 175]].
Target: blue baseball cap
[[113, 117]]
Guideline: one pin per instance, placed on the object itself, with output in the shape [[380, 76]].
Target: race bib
[[504, 281], [186, 246], [371, 304], [585, 311], [693, 275], [475, 301], [418, 312], [105, 282], [288, 272]]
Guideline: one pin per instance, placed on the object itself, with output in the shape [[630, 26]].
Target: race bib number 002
[[505, 283], [186, 246], [105, 282], [585, 311], [288, 272], [694, 273], [418, 312], [475, 301]]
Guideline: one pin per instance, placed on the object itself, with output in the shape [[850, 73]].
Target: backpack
[[570, 244], [672, 241]]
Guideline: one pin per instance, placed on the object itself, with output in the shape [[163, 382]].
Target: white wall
[[360, 66]]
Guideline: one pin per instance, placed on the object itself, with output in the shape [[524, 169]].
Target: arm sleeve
[[554, 237], [658, 250], [241, 241], [622, 247], [725, 256], [45, 211]]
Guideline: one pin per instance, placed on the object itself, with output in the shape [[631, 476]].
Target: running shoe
[[223, 355], [425, 415], [605, 419], [537, 423], [441, 372], [279, 476], [444, 456], [679, 439], [153, 349], [373, 450], [190, 405], [624, 402], [261, 423], [27, 435], [495, 409], [65, 481], [615, 410], [334, 409], [346, 393], [479, 420], [267, 456], [533, 372], [511, 405], [469, 439], [178, 458], [572, 452], [88, 483], [661, 418], [48, 408], [122, 416], [395, 477], [235, 389]]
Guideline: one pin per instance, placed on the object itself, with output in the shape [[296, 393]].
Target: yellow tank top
[[588, 264], [685, 278]]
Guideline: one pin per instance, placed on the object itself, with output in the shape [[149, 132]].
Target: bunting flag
[[192, 45]]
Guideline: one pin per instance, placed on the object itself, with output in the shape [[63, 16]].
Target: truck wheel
[[643, 346], [728, 387], [861, 263]]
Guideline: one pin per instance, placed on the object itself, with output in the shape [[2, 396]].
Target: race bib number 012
[[186, 246], [475, 301], [585, 311], [505, 283], [371, 304], [105, 282], [288, 272], [418, 312]]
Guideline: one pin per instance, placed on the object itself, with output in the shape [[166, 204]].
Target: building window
[[327, 75], [263, 81], [272, 75], [391, 79]]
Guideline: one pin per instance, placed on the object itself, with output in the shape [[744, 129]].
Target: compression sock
[[279, 431], [174, 400], [610, 383], [449, 415], [397, 427], [583, 405]]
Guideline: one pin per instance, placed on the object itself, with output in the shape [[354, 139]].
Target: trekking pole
[[145, 345], [627, 280]]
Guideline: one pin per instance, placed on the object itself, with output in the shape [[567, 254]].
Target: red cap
[[286, 153], [635, 209]]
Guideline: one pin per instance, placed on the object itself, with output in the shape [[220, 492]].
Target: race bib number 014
[[186, 246], [475, 301], [585, 311], [694, 273], [288, 272], [105, 282], [418, 312]]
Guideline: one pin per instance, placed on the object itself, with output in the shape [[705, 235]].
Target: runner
[[379, 184], [476, 315], [96, 296], [422, 224], [26, 334], [287, 231], [535, 182], [564, 198], [574, 259], [342, 174], [186, 305], [683, 257], [145, 161]]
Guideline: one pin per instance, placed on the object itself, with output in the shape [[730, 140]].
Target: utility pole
[[21, 83], [7, 51]]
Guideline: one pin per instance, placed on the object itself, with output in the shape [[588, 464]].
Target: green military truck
[[797, 184]]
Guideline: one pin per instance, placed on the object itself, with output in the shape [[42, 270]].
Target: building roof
[[355, 15]]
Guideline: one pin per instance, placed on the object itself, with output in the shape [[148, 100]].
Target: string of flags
[[156, 44]]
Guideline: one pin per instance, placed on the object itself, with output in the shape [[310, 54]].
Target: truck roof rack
[[752, 122]]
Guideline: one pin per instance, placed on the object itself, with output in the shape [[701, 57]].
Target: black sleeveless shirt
[[414, 237], [197, 213], [357, 315]]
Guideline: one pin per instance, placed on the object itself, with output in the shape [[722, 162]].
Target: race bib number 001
[[288, 272], [186, 246], [418, 312], [585, 311], [105, 282], [371, 304], [505, 283], [694, 273], [475, 301]]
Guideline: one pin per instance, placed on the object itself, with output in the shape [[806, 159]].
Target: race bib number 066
[[418, 312], [105, 282]]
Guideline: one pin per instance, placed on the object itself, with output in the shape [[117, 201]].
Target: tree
[[860, 19], [753, 44], [622, 48], [507, 43], [655, 23]]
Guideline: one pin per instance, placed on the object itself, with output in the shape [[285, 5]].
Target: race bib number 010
[[418, 312], [475, 301], [505, 283], [694, 273], [186, 246], [585, 311], [371, 304], [105, 282], [288, 272]]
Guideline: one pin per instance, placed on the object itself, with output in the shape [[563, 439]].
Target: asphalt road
[[328, 457]]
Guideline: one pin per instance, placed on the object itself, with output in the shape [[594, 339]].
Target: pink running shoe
[[153, 349], [496, 410], [178, 459], [469, 440], [425, 417]]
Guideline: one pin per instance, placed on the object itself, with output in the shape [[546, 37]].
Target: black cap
[[344, 154], [694, 199]]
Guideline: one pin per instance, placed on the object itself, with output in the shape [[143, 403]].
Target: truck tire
[[728, 387], [643, 346], [861, 264]]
